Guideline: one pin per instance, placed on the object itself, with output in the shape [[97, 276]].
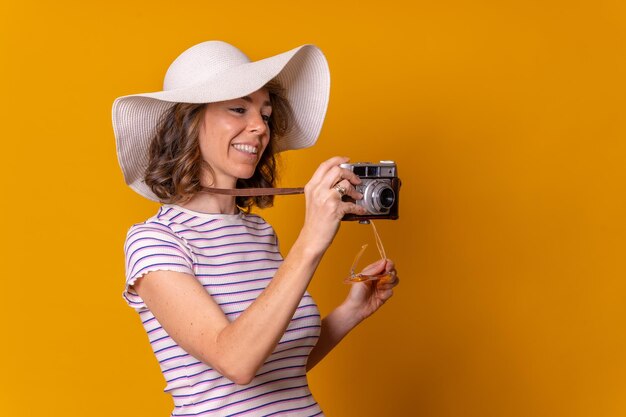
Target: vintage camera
[[380, 187]]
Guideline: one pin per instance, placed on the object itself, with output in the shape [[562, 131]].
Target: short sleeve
[[152, 247]]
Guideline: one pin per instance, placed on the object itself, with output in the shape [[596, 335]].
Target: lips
[[249, 149]]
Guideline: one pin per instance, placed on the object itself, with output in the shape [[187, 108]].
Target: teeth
[[245, 148]]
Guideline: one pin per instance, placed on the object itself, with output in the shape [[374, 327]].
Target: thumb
[[375, 268]]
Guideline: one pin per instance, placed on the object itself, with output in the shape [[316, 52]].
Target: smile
[[246, 148]]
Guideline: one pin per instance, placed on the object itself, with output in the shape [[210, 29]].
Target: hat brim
[[302, 71]]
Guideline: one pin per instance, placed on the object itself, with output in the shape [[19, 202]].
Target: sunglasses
[[354, 277]]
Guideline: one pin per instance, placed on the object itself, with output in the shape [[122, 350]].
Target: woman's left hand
[[365, 298]]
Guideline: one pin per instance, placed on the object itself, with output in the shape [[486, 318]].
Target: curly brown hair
[[175, 162]]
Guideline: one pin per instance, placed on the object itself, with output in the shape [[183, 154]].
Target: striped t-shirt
[[234, 257]]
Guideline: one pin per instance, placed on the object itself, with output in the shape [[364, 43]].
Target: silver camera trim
[[372, 191]]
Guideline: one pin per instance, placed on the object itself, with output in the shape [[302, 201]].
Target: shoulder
[[154, 245], [256, 224], [156, 231], [252, 220]]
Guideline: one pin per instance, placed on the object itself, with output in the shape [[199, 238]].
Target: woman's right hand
[[324, 207]]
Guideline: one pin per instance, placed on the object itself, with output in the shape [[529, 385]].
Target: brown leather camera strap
[[252, 192]]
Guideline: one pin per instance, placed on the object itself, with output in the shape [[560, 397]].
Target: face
[[233, 136]]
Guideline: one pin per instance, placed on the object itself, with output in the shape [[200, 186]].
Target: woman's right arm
[[239, 348]]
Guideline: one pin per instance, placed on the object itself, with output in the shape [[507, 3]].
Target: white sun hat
[[215, 71]]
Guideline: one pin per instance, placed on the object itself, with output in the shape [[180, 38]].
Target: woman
[[230, 321]]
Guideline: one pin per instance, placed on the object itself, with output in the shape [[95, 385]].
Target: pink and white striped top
[[235, 258]]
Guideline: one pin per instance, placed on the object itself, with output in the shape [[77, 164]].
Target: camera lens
[[387, 198], [378, 196]]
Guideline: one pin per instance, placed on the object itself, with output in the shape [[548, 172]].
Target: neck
[[211, 203]]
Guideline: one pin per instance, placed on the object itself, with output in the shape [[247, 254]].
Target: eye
[[239, 110], [266, 118]]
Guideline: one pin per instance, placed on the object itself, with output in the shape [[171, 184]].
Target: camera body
[[380, 187]]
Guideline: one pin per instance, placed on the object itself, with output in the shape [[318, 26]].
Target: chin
[[245, 174]]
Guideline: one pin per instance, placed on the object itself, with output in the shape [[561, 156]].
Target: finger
[[322, 170], [374, 268], [336, 174], [386, 283], [351, 208], [390, 266], [392, 277], [350, 191], [386, 295]]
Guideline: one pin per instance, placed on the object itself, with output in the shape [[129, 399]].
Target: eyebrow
[[249, 100]]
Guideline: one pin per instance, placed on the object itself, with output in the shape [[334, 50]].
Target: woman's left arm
[[363, 300]]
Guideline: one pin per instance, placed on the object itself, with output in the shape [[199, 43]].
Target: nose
[[256, 124]]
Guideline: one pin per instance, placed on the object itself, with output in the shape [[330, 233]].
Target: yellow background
[[506, 119]]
